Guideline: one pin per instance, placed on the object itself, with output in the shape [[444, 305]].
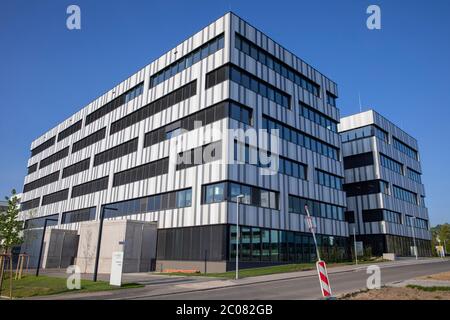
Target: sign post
[[320, 265], [324, 281], [116, 269]]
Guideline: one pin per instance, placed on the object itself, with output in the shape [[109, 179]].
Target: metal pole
[[354, 241], [206, 253], [237, 235], [99, 240], [42, 245], [313, 232], [414, 236]]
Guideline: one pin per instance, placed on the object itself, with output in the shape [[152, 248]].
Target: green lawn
[[30, 286], [429, 289], [253, 272], [262, 271]]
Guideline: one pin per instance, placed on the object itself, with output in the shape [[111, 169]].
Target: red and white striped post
[[321, 266], [324, 281]]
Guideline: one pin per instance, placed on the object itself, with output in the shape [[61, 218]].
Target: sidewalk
[[158, 285]]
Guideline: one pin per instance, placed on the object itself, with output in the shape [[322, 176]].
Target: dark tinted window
[[116, 152], [52, 177], [54, 158], [30, 204], [187, 61], [87, 214], [70, 130], [162, 103], [114, 104], [148, 170], [32, 168], [90, 187], [269, 60], [55, 197], [45, 145], [76, 168], [358, 160], [362, 188], [39, 222], [372, 215], [89, 140], [248, 81]]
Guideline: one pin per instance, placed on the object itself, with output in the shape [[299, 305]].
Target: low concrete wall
[[139, 245], [211, 266], [389, 256]]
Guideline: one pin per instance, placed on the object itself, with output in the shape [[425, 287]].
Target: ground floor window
[[268, 245]]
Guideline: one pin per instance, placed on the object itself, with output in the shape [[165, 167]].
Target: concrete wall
[[211, 266], [139, 245]]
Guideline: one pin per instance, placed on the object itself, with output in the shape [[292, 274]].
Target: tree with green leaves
[[441, 232], [10, 225]]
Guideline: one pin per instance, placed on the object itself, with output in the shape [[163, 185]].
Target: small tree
[[10, 226], [441, 231]]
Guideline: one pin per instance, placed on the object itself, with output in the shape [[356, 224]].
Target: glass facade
[[299, 138], [329, 180], [158, 202], [391, 164], [364, 132], [316, 208], [80, 215], [315, 116], [40, 221], [405, 195], [272, 62], [402, 147], [377, 244], [227, 191], [279, 246], [188, 60], [243, 153], [248, 81], [414, 175]]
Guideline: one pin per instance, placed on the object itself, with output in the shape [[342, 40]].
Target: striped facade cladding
[[198, 213], [283, 183], [377, 171], [172, 181]]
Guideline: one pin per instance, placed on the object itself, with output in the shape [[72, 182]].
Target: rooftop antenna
[[360, 105]]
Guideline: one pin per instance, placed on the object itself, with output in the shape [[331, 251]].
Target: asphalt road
[[307, 287]]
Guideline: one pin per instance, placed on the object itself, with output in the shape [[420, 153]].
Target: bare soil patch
[[389, 293], [444, 276]]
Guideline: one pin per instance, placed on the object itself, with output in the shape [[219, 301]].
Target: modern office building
[[116, 153], [385, 194]]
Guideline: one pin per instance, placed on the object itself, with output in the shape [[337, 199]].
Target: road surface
[[308, 287], [299, 285]]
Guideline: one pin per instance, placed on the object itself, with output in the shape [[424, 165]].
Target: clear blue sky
[[48, 73]]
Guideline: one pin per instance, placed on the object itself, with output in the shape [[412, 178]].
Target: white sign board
[[359, 248], [116, 269]]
